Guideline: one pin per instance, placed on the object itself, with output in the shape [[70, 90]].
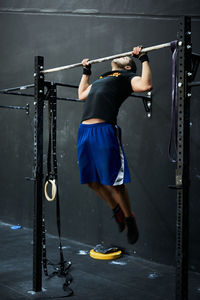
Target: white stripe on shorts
[[120, 176]]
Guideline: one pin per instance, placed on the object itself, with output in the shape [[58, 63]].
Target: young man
[[102, 162]]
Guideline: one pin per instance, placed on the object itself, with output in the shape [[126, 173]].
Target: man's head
[[124, 63]]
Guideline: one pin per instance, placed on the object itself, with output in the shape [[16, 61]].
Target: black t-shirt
[[107, 94]]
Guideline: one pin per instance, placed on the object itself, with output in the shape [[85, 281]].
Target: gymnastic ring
[[53, 189]]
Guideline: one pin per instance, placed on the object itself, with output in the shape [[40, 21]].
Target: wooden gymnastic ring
[[53, 189]]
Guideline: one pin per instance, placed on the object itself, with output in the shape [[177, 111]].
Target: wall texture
[[64, 32]]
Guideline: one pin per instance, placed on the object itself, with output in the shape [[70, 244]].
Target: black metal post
[[38, 174], [183, 158]]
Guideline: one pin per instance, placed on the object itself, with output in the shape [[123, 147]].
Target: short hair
[[132, 65]]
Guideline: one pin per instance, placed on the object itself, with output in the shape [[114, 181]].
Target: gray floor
[[128, 277]]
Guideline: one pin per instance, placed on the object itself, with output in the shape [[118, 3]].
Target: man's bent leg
[[117, 198], [113, 195], [121, 196], [104, 193]]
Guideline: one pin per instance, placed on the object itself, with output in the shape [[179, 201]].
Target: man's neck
[[117, 69]]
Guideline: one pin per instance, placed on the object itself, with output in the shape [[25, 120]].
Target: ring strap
[[62, 268]]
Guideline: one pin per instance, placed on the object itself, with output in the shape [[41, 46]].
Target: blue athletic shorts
[[101, 156]]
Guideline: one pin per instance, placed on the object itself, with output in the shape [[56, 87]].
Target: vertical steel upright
[[183, 157], [38, 174]]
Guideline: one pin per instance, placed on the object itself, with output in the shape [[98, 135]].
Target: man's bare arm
[[142, 83], [84, 85]]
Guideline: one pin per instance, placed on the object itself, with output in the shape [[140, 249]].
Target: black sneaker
[[119, 217], [132, 230]]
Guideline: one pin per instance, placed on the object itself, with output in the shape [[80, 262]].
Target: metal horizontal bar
[[28, 95], [194, 83], [23, 87], [69, 99], [196, 55], [16, 107], [98, 60], [147, 96], [142, 96], [16, 94]]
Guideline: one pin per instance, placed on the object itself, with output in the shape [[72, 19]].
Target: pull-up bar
[[98, 60]]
